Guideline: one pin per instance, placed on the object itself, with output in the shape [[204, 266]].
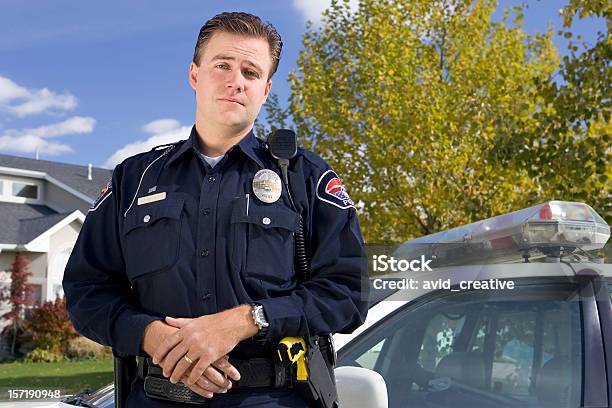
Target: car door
[[604, 307], [519, 348]]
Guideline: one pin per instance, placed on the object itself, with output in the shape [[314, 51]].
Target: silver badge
[[267, 186]]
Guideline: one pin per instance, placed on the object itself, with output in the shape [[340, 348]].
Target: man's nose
[[235, 80]]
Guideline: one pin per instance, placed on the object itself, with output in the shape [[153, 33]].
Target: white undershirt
[[212, 161]]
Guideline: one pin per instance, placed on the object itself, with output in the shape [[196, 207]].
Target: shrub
[[82, 348], [49, 327], [39, 355]]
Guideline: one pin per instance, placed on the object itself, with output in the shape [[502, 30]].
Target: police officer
[[187, 256]]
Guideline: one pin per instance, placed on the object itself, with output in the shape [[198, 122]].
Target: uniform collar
[[253, 147], [250, 145]]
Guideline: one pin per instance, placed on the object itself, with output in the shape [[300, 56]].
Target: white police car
[[514, 313], [524, 320]]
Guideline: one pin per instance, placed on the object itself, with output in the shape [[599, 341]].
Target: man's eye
[[252, 74], [222, 66]]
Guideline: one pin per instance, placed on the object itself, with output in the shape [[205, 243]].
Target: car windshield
[[103, 398]]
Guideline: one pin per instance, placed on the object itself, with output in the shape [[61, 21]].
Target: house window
[[21, 191], [25, 190]]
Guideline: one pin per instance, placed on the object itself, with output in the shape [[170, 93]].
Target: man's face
[[231, 82]]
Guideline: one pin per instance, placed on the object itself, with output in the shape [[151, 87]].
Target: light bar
[[551, 228]]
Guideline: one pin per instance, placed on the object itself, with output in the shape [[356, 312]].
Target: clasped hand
[[197, 354]]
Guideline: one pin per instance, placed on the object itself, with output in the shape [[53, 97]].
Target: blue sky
[[92, 82]]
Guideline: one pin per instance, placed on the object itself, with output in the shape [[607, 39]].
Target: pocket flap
[[265, 216], [148, 214]]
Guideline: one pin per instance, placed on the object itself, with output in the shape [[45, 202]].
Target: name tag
[[152, 198]]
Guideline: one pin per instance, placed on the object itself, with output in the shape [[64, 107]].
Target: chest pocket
[[151, 237], [263, 242]]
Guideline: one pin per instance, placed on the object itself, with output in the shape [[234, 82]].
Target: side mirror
[[361, 388]]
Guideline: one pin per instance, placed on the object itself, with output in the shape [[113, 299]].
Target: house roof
[[32, 227], [21, 223], [70, 174]]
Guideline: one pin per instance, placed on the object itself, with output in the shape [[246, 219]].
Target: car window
[[438, 339], [368, 359], [521, 348], [513, 353]]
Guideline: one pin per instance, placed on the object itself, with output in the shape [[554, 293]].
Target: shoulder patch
[[331, 190], [106, 191]]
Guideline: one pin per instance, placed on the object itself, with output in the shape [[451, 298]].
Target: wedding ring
[[187, 359]]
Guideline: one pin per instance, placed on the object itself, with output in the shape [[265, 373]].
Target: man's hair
[[242, 24]]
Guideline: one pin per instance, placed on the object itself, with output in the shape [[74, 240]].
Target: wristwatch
[[259, 318]]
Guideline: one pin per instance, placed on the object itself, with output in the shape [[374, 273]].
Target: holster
[[320, 388], [124, 374]]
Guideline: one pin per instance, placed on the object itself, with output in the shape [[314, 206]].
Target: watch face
[[259, 317]]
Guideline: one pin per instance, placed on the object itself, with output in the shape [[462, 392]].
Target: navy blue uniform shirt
[[171, 236]]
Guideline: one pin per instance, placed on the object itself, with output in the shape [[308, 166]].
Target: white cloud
[[161, 126], [312, 9], [162, 130], [73, 125], [9, 90], [30, 140], [21, 102]]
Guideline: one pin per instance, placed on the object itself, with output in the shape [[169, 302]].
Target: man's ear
[[193, 75], [267, 91]]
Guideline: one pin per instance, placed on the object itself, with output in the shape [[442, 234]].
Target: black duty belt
[[254, 373]]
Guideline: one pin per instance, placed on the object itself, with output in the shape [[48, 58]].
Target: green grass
[[67, 376]]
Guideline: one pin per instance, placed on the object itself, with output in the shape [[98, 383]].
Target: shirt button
[[211, 179], [204, 253], [266, 221], [147, 218], [206, 211]]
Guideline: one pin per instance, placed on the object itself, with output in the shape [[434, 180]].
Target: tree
[[571, 155], [18, 295], [422, 107], [275, 118]]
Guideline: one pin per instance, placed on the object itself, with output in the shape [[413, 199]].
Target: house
[[42, 208]]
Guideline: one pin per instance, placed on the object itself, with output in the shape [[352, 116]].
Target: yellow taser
[[293, 350]]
